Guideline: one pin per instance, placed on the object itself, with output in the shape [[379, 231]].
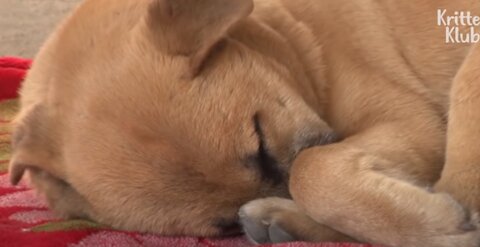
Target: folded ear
[[32, 145], [193, 27]]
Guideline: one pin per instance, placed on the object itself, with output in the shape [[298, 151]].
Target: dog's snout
[[328, 138], [320, 139], [228, 227]]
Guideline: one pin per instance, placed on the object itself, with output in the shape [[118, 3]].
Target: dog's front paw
[[467, 233], [277, 220], [449, 224], [263, 220], [439, 221]]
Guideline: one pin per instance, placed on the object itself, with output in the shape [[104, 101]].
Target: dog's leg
[[278, 220], [354, 188], [374, 185], [461, 175]]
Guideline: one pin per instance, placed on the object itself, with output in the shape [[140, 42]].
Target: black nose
[[228, 227]]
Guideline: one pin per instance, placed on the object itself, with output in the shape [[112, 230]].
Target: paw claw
[[255, 231], [278, 235], [468, 227]]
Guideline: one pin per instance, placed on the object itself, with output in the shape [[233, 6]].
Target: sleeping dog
[[308, 120]]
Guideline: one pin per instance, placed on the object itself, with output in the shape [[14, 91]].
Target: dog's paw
[[464, 239], [263, 220], [466, 235], [277, 220], [445, 224]]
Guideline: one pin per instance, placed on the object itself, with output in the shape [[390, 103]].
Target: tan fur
[[148, 115], [461, 174]]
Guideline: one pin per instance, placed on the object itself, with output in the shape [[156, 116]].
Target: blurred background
[[25, 24]]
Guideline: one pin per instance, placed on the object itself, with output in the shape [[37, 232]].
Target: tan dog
[[166, 116]]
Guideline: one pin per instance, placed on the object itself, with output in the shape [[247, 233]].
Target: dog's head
[[169, 121]]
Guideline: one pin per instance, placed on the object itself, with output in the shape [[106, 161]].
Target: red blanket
[[25, 220]]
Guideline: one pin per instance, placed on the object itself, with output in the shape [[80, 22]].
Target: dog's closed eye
[[263, 159]]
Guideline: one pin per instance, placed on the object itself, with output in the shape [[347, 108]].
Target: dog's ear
[[193, 27], [33, 145]]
